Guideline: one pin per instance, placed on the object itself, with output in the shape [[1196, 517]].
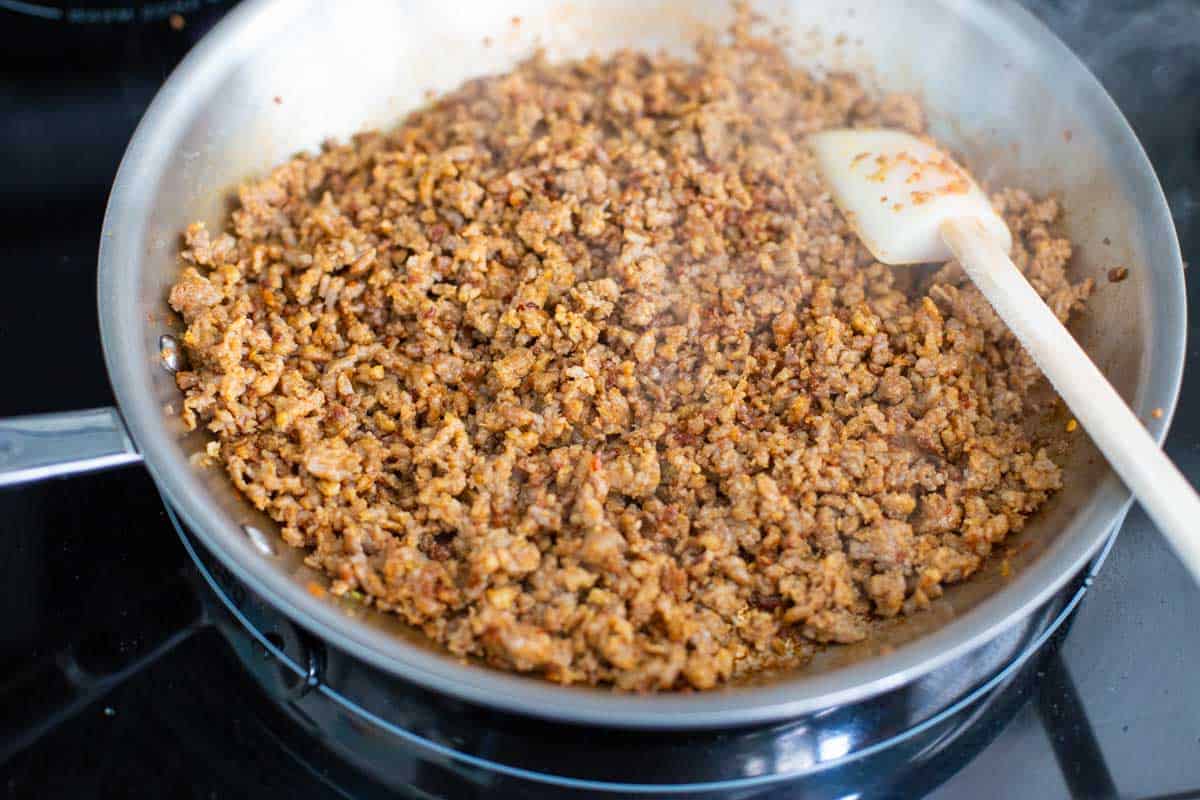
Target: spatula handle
[[1163, 491]]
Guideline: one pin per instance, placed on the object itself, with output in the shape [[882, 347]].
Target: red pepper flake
[[316, 590], [1068, 135], [1118, 274], [277, 100]]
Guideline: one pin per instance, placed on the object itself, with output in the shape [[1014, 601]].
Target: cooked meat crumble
[[580, 371]]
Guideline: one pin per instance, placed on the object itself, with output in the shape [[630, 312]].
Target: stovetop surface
[[73, 83]]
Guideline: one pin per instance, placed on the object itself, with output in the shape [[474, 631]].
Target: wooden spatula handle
[[1158, 485]]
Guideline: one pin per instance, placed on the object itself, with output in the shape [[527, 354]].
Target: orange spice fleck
[[316, 589], [879, 175], [956, 186], [945, 165], [1157, 413]]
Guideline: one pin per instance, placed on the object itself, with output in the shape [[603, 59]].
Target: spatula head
[[896, 190]]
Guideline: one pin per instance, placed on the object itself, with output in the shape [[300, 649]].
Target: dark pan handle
[[42, 446]]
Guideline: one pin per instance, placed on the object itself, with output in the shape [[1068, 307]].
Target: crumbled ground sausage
[[580, 371]]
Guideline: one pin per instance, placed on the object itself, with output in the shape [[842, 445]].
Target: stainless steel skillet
[[1000, 87]]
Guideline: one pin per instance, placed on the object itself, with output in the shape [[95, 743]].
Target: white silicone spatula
[[910, 204]]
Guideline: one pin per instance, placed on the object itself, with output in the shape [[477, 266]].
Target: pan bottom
[[902, 743]]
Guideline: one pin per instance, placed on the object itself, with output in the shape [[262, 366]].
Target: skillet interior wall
[[370, 75]]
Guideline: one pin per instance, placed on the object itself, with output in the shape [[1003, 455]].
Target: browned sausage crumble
[[580, 371]]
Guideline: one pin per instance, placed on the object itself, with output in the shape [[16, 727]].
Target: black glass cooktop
[[1116, 714]]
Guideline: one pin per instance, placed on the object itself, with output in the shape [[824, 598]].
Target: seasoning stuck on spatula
[[897, 189], [911, 204]]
